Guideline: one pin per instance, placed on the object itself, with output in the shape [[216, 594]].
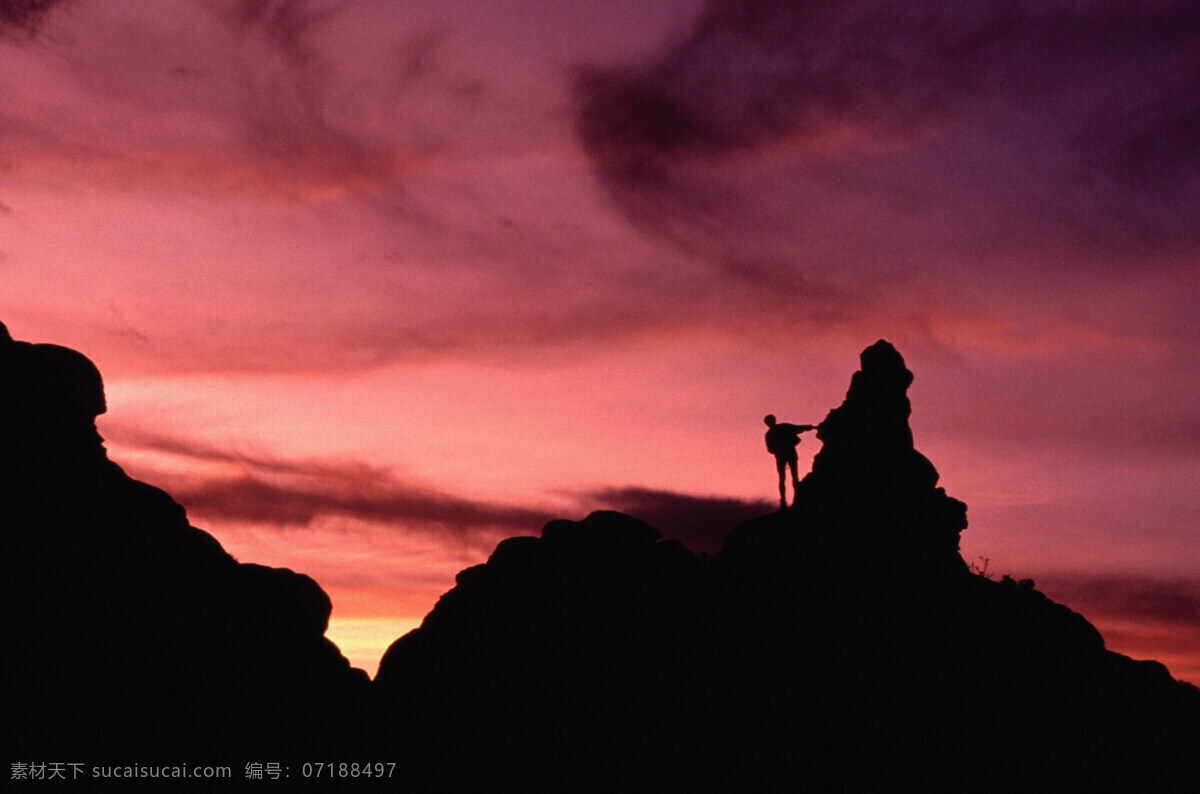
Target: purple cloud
[[25, 14], [1060, 118], [289, 493]]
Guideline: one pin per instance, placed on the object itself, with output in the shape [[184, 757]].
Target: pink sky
[[374, 284]]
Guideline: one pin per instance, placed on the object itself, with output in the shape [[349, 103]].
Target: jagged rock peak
[[873, 420], [867, 443], [882, 359], [869, 478], [870, 494]]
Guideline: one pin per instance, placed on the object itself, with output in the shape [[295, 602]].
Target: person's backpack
[[780, 441]]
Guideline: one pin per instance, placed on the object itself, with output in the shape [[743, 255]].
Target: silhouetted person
[[782, 440]]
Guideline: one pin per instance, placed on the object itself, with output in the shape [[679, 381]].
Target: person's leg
[[795, 478], [781, 466]]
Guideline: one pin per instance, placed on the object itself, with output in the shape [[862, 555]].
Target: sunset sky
[[376, 283]]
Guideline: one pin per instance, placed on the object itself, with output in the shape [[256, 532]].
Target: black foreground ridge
[[131, 636], [838, 645]]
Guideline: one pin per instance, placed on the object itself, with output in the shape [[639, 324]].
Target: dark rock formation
[[868, 484], [871, 501], [837, 645], [131, 635], [547, 644]]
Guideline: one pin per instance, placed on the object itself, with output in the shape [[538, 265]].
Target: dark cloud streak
[[752, 72], [26, 14], [211, 453], [290, 493], [383, 501], [294, 493], [1134, 597], [1071, 113]]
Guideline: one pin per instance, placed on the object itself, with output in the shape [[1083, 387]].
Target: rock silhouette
[[871, 502], [838, 645], [131, 634]]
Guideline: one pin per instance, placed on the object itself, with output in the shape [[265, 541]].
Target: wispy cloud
[[352, 495], [237, 98], [282, 494]]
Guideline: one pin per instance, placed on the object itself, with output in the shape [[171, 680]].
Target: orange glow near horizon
[[364, 640]]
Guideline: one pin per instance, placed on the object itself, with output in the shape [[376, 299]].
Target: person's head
[[770, 420]]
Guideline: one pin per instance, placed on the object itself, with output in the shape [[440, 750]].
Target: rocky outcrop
[[869, 484], [607, 570], [837, 645], [546, 643], [131, 634], [871, 505], [840, 644]]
